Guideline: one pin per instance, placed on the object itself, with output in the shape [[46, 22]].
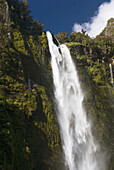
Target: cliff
[[28, 125], [29, 129]]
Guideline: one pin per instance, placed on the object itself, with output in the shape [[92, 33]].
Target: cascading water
[[111, 73], [79, 147]]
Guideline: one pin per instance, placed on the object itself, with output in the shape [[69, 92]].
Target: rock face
[[109, 30], [28, 124]]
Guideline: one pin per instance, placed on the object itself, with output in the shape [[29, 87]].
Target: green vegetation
[[29, 136], [29, 133]]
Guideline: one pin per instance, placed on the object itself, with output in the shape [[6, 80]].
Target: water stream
[[81, 152], [111, 73]]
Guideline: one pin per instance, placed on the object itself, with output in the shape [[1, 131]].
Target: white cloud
[[98, 22]]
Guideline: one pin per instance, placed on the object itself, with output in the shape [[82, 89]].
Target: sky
[[72, 15]]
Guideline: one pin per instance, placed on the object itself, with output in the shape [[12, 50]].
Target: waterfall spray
[[81, 152]]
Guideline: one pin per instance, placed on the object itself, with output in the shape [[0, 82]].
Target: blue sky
[[61, 15]]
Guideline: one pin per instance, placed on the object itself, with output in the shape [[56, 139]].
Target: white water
[[78, 143], [111, 73]]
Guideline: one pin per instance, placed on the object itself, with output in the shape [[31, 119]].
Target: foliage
[[28, 125], [61, 36], [29, 129]]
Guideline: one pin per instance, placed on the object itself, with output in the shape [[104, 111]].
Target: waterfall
[[111, 73], [7, 14], [81, 151], [8, 18]]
